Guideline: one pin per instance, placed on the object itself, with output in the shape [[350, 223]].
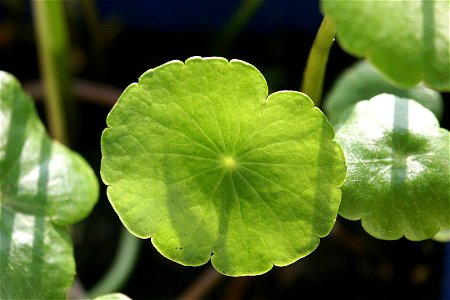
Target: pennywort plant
[[199, 158]]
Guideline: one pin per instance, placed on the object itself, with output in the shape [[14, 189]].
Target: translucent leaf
[[398, 169], [43, 187], [442, 236], [198, 158], [409, 41], [362, 82], [114, 296]]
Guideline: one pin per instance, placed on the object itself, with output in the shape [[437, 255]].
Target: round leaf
[[398, 169], [362, 82], [198, 158], [43, 187], [409, 41]]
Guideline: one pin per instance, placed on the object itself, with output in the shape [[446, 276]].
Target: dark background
[[128, 37]]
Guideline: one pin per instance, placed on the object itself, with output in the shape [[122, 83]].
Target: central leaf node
[[229, 162]]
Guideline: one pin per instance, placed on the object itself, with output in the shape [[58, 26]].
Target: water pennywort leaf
[[398, 169], [43, 188], [362, 81], [198, 158], [409, 41]]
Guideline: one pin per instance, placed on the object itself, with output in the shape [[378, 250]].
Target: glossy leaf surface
[[201, 160], [362, 82], [398, 169], [43, 187], [409, 41]]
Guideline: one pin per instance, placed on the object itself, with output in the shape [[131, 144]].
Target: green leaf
[[198, 158], [114, 296], [362, 82], [398, 169], [43, 187], [409, 41], [442, 236]]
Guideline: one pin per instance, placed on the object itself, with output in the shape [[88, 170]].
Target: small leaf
[[43, 187], [398, 169], [198, 158], [362, 82], [409, 41]]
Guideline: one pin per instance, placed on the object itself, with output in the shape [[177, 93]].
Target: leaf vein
[[182, 133], [271, 210], [193, 176], [192, 118], [290, 191]]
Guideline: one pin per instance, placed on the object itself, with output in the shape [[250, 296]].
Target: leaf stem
[[52, 41], [200, 287], [314, 73], [237, 22], [120, 269]]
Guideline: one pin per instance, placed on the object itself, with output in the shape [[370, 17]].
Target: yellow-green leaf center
[[229, 162]]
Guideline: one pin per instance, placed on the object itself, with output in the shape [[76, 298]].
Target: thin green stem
[[52, 41], [121, 268], [202, 285], [238, 21], [314, 73]]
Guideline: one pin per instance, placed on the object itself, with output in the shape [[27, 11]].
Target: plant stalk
[[237, 22], [121, 268], [53, 46], [314, 73], [202, 285]]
